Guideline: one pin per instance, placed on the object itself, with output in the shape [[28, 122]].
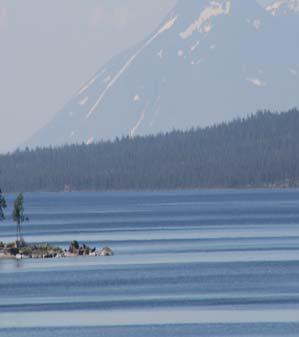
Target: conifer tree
[[2, 205], [19, 218]]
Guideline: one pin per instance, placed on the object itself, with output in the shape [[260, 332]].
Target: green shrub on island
[[11, 245], [74, 247], [32, 251], [13, 251], [42, 251], [78, 250], [27, 251]]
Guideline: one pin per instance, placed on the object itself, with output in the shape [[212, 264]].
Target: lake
[[187, 263]]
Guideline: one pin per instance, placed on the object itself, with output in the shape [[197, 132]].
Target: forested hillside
[[261, 150]]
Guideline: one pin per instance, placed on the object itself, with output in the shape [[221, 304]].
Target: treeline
[[261, 150]]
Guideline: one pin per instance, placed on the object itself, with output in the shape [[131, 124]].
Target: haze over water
[[187, 263]]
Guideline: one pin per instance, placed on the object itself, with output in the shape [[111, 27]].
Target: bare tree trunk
[[18, 238], [19, 235]]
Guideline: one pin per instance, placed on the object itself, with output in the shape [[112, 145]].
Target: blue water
[[189, 263]]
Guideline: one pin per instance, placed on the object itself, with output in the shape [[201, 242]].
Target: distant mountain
[[209, 61], [259, 151]]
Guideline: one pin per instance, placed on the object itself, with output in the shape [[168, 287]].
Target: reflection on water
[[11, 265]]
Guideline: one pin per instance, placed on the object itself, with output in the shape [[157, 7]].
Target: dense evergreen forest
[[261, 150]]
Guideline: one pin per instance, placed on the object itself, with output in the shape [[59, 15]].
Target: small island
[[21, 250]]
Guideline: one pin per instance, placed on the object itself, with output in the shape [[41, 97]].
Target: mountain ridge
[[196, 65]]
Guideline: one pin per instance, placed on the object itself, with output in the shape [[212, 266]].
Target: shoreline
[[7, 257], [269, 187]]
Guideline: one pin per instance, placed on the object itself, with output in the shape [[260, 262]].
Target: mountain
[[258, 151], [209, 61]]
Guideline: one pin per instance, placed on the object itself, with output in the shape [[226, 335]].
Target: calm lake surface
[[189, 263]]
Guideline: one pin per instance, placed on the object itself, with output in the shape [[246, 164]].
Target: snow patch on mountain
[[256, 81], [89, 141], [180, 53], [257, 24], [207, 28], [293, 71], [194, 46], [196, 62], [83, 101], [86, 86], [275, 7], [107, 79], [164, 28], [137, 125], [160, 53], [215, 9]]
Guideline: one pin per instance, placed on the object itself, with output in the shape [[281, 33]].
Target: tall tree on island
[[19, 218], [2, 205]]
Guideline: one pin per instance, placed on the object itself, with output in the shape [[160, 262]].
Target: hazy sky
[[48, 48]]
